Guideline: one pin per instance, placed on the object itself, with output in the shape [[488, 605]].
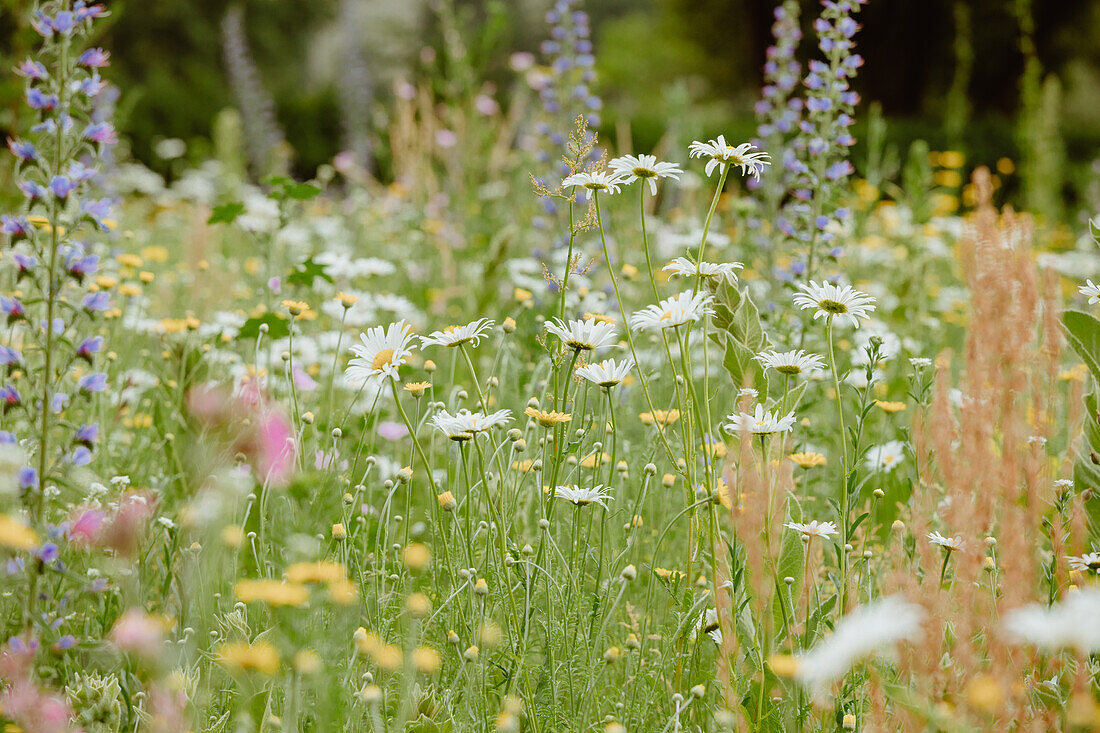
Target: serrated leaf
[[226, 213], [306, 273], [277, 327]]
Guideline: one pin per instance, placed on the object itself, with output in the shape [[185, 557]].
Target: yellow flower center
[[381, 359]]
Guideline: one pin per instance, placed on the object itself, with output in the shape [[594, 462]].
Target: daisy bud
[[370, 694], [632, 642], [471, 653], [879, 493], [464, 573], [898, 525], [481, 587], [405, 475], [677, 698], [307, 418], [536, 465], [264, 328], [698, 691], [520, 446], [509, 325], [650, 469], [533, 402], [452, 637], [417, 556], [988, 563], [514, 434], [429, 366], [544, 523], [788, 580], [339, 533], [528, 550], [285, 356], [447, 501], [418, 605], [621, 467], [990, 541], [668, 480], [462, 394], [629, 573], [612, 655], [337, 433], [849, 722]]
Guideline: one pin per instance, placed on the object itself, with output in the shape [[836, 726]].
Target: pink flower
[[274, 449], [138, 633], [122, 532], [85, 528], [302, 380], [392, 430]]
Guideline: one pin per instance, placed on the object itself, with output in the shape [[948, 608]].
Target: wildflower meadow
[[496, 421]]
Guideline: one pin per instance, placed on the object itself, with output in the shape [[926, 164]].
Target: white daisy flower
[[464, 424], [790, 363], [585, 335], [885, 457], [1089, 561], [708, 624], [760, 422], [674, 311], [607, 373], [471, 333], [646, 167], [745, 155], [865, 630], [845, 303], [1092, 291], [684, 266], [1068, 624], [607, 181], [824, 530], [381, 353], [950, 544], [581, 497]]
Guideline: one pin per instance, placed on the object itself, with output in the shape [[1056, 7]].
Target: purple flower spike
[[28, 478], [32, 69], [87, 434], [22, 149], [96, 382], [96, 302], [95, 58], [62, 186]]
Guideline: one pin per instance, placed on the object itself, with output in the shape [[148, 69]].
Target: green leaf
[[226, 213], [739, 332], [1083, 331], [277, 327], [301, 191], [307, 273]]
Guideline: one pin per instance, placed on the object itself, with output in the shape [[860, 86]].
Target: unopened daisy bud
[[514, 434], [668, 480], [520, 445], [990, 541], [677, 698], [788, 580], [614, 727], [417, 556], [418, 605], [339, 532], [698, 691], [370, 694], [849, 722], [337, 433], [898, 525], [509, 325], [988, 563], [528, 550], [481, 587], [347, 301], [629, 573], [447, 501], [533, 402], [307, 418], [848, 547], [879, 493], [426, 660], [632, 642], [429, 366], [405, 475], [612, 655], [621, 467], [650, 469], [264, 328], [536, 465], [464, 573], [471, 653]]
